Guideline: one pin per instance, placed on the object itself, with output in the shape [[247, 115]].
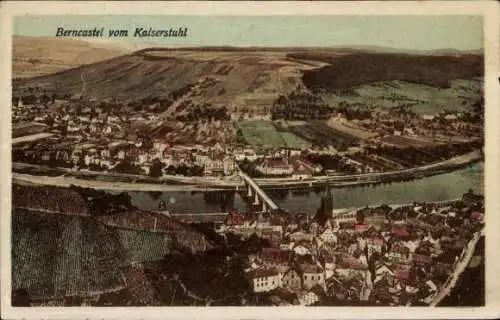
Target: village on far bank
[[84, 135], [402, 255]]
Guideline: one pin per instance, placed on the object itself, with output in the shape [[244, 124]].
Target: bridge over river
[[257, 196]]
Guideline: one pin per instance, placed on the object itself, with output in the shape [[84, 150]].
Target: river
[[435, 188]]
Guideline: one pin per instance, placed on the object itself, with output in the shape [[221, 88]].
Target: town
[[403, 255]]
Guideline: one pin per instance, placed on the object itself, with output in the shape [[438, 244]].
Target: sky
[[411, 32]]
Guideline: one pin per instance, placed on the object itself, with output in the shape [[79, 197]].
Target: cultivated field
[[422, 98], [320, 134], [266, 134], [404, 142]]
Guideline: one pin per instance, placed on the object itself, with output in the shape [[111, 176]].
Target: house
[[348, 264], [311, 167], [235, 219], [399, 253], [328, 261], [286, 245], [301, 173], [292, 280], [302, 249], [263, 280], [374, 244], [329, 236], [311, 296], [276, 225], [478, 216], [312, 275], [361, 227], [349, 217], [383, 272], [275, 167], [301, 236], [400, 231]]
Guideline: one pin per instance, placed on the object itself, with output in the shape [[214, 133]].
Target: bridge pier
[[256, 200], [254, 192], [249, 192]]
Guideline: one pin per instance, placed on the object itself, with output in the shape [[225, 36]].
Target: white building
[[328, 236], [264, 280]]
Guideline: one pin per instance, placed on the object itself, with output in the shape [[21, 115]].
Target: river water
[[436, 188]]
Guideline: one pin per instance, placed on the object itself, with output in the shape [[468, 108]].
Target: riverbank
[[128, 182]]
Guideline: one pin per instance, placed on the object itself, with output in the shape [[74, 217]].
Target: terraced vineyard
[[58, 255], [55, 255], [139, 246]]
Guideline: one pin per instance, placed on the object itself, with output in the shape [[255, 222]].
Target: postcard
[[250, 160]]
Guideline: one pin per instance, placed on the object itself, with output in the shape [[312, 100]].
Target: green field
[[264, 134]]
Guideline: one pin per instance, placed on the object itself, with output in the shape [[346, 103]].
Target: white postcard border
[[487, 9]]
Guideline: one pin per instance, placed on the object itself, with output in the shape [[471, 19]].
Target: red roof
[[361, 227], [235, 218], [375, 241], [400, 231], [477, 215], [352, 263]]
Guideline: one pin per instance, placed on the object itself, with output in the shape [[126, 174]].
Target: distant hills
[[35, 56]]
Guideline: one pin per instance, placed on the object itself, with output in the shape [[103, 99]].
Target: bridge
[[256, 192]]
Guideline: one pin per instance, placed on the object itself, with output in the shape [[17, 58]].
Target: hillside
[[72, 253], [198, 77], [35, 56], [352, 70], [249, 80]]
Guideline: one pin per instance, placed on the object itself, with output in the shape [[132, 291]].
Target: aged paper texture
[[186, 160]]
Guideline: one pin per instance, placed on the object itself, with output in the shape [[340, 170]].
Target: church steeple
[[328, 202], [326, 208]]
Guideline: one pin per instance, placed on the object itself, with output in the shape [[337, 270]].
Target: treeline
[[300, 105], [412, 156], [332, 162], [205, 112], [357, 68]]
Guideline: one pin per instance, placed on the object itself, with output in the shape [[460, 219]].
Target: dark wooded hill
[[352, 70]]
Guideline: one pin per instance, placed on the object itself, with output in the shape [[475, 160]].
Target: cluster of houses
[[445, 124], [378, 256]]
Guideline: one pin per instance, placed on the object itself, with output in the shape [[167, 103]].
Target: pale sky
[[402, 32]]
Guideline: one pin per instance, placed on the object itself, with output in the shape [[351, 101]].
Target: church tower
[[325, 211]]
